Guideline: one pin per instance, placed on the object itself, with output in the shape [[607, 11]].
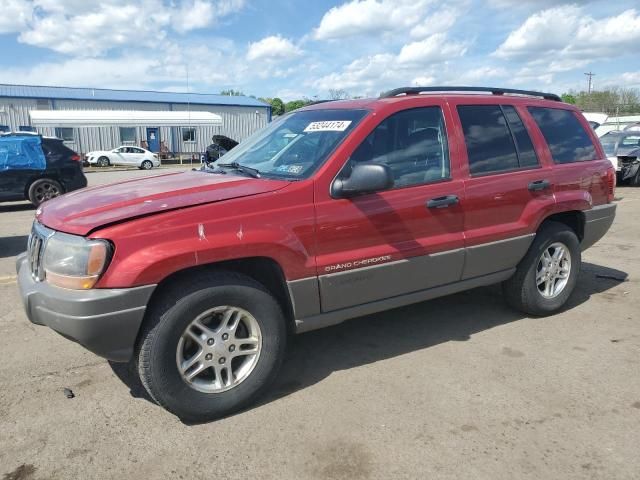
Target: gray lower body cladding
[[597, 222], [105, 321]]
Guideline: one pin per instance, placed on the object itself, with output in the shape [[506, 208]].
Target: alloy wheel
[[553, 270]]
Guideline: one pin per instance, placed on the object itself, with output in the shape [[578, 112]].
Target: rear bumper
[[597, 223], [105, 321]]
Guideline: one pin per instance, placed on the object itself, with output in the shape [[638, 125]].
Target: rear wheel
[[44, 189], [211, 346], [635, 180], [103, 162], [547, 275], [147, 165]]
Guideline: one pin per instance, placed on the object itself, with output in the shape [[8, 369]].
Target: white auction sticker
[[328, 126]]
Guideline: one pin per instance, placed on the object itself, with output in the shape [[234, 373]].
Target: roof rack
[[495, 91]]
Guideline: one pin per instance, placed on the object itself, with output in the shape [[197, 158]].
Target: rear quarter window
[[567, 139]]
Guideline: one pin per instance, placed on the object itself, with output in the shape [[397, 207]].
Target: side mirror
[[365, 178]]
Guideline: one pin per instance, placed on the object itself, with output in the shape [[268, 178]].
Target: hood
[[85, 210], [627, 151]]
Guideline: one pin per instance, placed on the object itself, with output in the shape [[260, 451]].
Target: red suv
[[334, 211]]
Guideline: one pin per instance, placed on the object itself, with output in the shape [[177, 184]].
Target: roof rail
[[495, 91]]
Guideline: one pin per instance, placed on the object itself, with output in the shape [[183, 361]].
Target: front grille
[[35, 249]]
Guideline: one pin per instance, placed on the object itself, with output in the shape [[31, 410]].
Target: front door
[[153, 139], [402, 240]]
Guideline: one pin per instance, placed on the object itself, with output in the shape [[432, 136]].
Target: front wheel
[[147, 165], [211, 346], [103, 162], [547, 275]]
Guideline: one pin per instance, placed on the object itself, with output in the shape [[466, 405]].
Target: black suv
[[37, 168]]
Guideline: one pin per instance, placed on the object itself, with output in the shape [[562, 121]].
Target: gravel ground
[[461, 387]]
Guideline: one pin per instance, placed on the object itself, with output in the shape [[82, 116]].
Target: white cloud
[[359, 17], [436, 48], [14, 15], [567, 32], [83, 28], [437, 22], [274, 47]]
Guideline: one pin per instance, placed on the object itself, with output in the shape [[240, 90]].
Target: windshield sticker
[[328, 126], [295, 169]]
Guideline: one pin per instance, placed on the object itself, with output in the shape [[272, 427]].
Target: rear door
[[507, 187], [402, 240]]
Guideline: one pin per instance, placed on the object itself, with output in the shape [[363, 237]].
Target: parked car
[[198, 278], [623, 149], [220, 146], [124, 155], [37, 168]]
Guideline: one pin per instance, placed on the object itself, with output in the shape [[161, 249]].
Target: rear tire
[[201, 302], [103, 162], [543, 283], [147, 165], [635, 180], [44, 189]]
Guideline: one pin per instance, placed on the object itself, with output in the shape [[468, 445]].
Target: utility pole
[[590, 75]]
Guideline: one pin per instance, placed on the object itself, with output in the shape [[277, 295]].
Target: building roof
[[71, 93]]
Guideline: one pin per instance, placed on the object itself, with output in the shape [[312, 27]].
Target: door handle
[[539, 185], [442, 202]]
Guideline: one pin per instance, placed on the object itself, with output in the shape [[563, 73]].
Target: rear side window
[[493, 143], [567, 139]]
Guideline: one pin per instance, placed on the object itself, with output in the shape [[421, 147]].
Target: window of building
[[26, 128], [567, 139], [412, 143], [66, 134], [4, 128], [127, 135], [189, 134]]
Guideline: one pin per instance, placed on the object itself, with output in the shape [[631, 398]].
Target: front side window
[[412, 143], [567, 139], [65, 134], [128, 134], [295, 145], [189, 134]]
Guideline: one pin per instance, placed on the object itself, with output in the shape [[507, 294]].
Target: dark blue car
[[37, 168]]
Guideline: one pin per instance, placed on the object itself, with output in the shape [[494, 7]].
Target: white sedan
[[124, 155]]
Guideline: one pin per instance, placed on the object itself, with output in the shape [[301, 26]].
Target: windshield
[[295, 145], [609, 144]]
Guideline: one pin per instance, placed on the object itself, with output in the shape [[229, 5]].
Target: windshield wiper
[[254, 172]]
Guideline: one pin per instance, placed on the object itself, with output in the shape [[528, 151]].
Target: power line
[[590, 75]]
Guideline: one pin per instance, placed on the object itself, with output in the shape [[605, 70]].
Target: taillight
[[75, 158], [611, 184]]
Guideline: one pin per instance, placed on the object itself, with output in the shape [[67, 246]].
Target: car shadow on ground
[[16, 207], [313, 356], [12, 246]]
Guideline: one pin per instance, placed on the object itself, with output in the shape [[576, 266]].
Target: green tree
[[277, 106], [295, 104], [568, 98]]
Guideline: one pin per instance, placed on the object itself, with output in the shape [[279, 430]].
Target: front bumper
[[105, 321], [597, 223]]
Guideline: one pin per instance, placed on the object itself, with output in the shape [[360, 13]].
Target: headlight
[[75, 262]]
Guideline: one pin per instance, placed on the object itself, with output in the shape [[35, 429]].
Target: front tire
[[211, 345], [547, 275], [103, 162]]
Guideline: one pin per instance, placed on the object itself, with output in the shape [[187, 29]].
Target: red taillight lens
[[611, 184], [75, 158]]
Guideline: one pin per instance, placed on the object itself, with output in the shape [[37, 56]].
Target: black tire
[[521, 290], [44, 189], [146, 165], [635, 180], [168, 318], [103, 162]]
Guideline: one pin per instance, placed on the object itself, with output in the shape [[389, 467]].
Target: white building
[[240, 115]]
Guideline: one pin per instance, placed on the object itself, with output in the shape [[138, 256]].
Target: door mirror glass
[[365, 177]]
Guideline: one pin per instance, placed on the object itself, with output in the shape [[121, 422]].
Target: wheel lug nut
[[232, 348], [225, 336], [222, 360], [208, 356], [210, 341]]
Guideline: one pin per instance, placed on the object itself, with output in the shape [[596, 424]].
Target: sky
[[287, 49]]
